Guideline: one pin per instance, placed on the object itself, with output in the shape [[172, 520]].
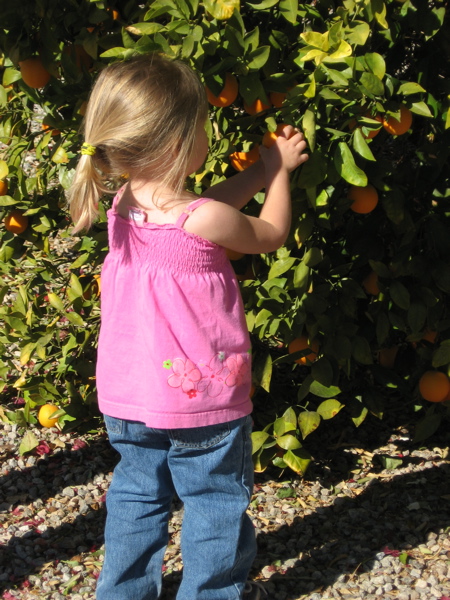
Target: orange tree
[[364, 277]]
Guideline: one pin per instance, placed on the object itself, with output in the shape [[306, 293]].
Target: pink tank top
[[174, 349]]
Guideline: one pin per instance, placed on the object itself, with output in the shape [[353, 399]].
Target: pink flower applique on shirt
[[213, 376], [239, 370], [185, 375]]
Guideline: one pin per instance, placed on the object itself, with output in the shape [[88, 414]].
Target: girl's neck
[[160, 204]]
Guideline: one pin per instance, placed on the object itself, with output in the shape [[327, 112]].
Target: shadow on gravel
[[343, 538]]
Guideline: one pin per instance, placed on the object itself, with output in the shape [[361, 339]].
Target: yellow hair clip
[[88, 150]]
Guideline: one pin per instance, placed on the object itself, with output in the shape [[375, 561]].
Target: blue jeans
[[210, 468]]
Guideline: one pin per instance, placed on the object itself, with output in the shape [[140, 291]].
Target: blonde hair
[[142, 118]]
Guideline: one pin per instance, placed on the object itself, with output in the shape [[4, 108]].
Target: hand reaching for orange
[[287, 150]]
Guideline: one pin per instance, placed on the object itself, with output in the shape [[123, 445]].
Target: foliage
[[345, 67]]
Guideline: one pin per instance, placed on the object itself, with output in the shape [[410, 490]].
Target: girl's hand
[[287, 153]]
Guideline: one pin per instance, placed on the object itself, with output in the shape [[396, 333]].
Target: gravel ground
[[371, 520]]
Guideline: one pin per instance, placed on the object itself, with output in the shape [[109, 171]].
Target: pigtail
[[85, 192]]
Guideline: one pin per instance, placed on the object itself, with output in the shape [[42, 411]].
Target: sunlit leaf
[[222, 9], [308, 421]]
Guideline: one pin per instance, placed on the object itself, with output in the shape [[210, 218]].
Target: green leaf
[[144, 28], [316, 40], [4, 169], [372, 84], [289, 10], [323, 391], [222, 9], [297, 460], [346, 166], [390, 462], [28, 443], [288, 442], [376, 64], [313, 172], [329, 408], [75, 318], [60, 156], [55, 301], [410, 88], [309, 128], [420, 108], [263, 371], [441, 356], [361, 351], [308, 421], [259, 438], [281, 266], [7, 201], [357, 32], [361, 146], [264, 5], [258, 58], [427, 426], [399, 294], [286, 493]]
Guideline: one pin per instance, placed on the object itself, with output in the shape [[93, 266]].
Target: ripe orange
[[228, 94], [242, 160], [270, 137], [277, 98], [44, 415], [34, 74], [395, 127], [16, 221], [302, 343], [370, 284], [93, 287], [46, 127], [256, 107], [233, 254], [387, 356], [3, 187], [364, 199], [79, 56], [373, 132], [434, 386]]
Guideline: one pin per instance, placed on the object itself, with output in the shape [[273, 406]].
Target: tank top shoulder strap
[[190, 209]]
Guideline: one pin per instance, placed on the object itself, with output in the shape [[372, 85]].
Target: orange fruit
[[370, 284], [93, 287], [228, 94], [242, 160], [233, 254], [387, 356], [46, 127], [34, 74], [434, 386], [16, 221], [114, 13], [79, 56], [3, 187], [373, 132], [270, 137], [364, 199], [395, 127], [44, 415], [302, 343], [277, 98], [256, 107]]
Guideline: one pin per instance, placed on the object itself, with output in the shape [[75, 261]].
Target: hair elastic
[[88, 150]]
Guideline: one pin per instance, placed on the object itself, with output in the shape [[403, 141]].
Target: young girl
[[174, 370]]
